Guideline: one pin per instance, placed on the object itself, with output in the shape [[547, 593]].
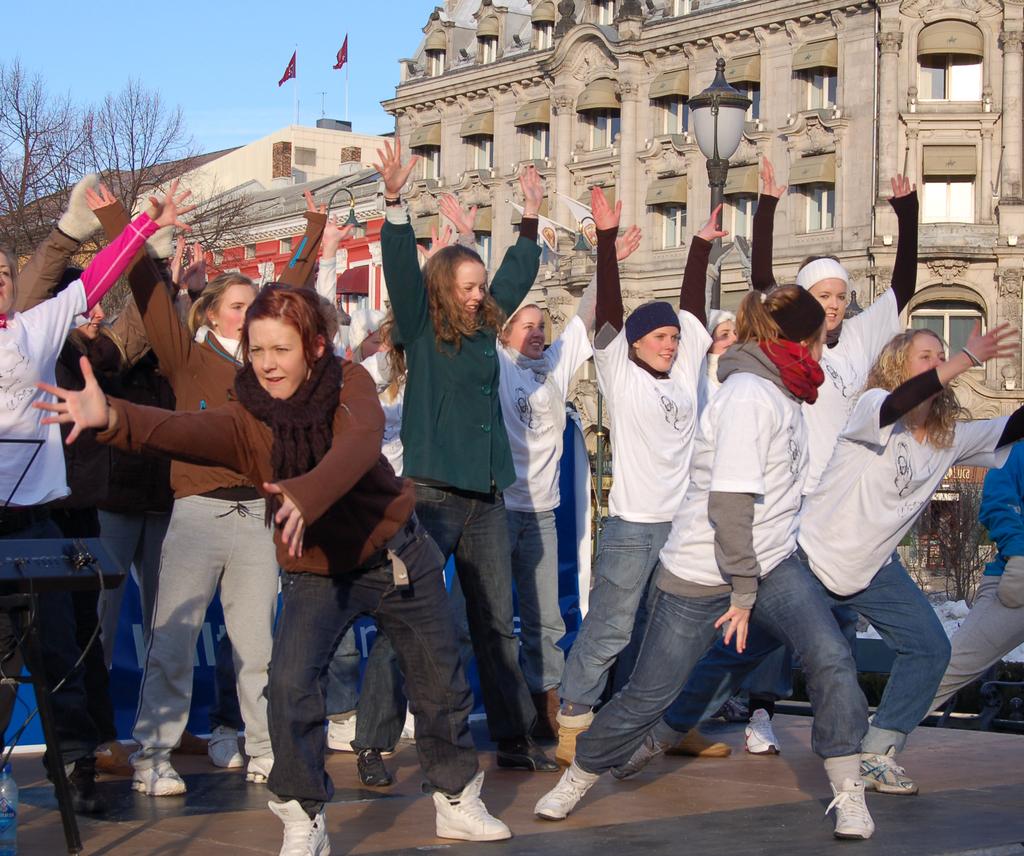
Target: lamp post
[[718, 114], [351, 219]]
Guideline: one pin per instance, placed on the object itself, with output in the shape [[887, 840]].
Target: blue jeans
[[535, 571], [622, 572], [316, 612], [474, 528], [382, 702], [680, 631], [343, 676]]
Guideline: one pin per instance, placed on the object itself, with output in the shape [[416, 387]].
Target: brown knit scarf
[[302, 426]]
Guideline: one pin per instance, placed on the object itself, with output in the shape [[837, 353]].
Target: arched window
[[543, 20], [949, 57], [435, 52], [952, 320], [599, 106]]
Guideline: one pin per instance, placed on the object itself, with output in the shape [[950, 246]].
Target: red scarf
[[800, 371]]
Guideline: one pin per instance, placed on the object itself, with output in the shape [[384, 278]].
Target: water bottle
[[8, 813]]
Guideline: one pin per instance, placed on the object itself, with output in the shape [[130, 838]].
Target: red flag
[[289, 72], [342, 54]]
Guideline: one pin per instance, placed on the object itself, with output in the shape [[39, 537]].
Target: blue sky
[[221, 59]]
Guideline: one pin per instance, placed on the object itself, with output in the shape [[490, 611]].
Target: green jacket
[[452, 429]]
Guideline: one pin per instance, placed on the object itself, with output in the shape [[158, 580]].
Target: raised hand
[[1000, 341], [391, 170], [768, 185], [289, 518], [179, 256], [738, 620], [627, 243], [901, 186], [710, 230], [312, 206], [171, 207], [605, 217], [194, 277], [464, 219], [334, 234], [533, 190], [100, 198], [437, 242], [87, 408]]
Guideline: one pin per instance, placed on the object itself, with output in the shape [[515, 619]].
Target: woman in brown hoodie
[[306, 428]]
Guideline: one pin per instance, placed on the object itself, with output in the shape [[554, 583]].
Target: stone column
[[630, 93], [986, 175], [1010, 183], [564, 109], [889, 162]]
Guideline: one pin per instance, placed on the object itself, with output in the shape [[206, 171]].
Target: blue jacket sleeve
[[1001, 501], [404, 280], [514, 279]]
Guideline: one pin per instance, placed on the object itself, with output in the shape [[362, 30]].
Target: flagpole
[[296, 78], [346, 90]]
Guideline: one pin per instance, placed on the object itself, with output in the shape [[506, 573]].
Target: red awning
[[355, 280]]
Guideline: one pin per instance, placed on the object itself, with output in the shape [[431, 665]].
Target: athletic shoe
[[734, 710], [523, 754], [557, 803], [341, 732], [881, 773], [113, 758], [465, 817], [644, 754], [303, 836], [760, 736], [852, 817], [569, 728], [371, 769], [160, 780], [82, 784], [259, 769], [696, 745], [223, 748]]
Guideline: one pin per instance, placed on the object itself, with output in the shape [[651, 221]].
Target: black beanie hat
[[650, 316], [799, 318]]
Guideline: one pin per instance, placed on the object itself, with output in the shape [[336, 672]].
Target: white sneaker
[[760, 737], [563, 798], [223, 748], [341, 733], [302, 836], [881, 773], [644, 754], [465, 817], [259, 769], [160, 780], [852, 817]]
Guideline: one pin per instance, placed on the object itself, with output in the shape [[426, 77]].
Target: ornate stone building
[[844, 95]]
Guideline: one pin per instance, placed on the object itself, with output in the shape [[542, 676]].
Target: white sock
[[842, 768]]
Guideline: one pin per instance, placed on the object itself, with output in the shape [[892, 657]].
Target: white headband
[[814, 272]]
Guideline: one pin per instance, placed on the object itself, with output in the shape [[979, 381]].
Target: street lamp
[[351, 219], [718, 114]]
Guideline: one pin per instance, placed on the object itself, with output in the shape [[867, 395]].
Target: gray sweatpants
[[209, 542], [989, 632]]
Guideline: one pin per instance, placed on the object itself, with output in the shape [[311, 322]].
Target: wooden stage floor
[[971, 802]]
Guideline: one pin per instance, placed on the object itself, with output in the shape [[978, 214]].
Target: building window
[[948, 199], [481, 152], [435, 63], [675, 115], [753, 92], [604, 128], [538, 141], [285, 247], [740, 211], [305, 157], [949, 77], [951, 320], [673, 232], [250, 251], [543, 35], [604, 11], [820, 84], [430, 162], [483, 247], [680, 7], [488, 49], [821, 206]]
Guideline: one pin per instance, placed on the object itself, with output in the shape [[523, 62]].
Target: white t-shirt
[[709, 382], [752, 439], [652, 424], [532, 395], [875, 487], [380, 370], [846, 368], [29, 348]]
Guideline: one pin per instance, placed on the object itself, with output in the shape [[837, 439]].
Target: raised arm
[[904, 271], [327, 276], [514, 279], [610, 314], [299, 270], [693, 292], [762, 239]]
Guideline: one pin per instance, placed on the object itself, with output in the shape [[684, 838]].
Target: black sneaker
[[372, 771], [521, 753], [82, 783]]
